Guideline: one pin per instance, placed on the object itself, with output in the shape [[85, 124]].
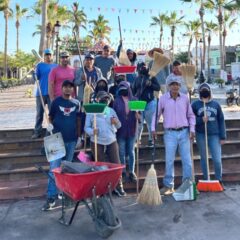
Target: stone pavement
[[17, 110], [213, 216]]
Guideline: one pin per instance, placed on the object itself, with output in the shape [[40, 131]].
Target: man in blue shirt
[[42, 71]]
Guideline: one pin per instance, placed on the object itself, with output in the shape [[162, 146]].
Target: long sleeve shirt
[[176, 113]]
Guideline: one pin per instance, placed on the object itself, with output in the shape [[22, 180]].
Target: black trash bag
[[78, 167]]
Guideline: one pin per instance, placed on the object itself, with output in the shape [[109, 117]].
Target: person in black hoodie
[[143, 88], [216, 132], [101, 85]]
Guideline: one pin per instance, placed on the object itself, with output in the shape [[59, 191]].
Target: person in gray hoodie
[[216, 131]]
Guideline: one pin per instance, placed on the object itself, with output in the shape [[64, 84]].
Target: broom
[[160, 61], [208, 185], [150, 193]]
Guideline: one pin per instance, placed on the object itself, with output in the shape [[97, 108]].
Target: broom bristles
[[209, 186], [150, 194], [188, 72], [160, 61]]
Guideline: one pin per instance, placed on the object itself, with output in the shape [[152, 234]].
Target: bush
[[219, 81]]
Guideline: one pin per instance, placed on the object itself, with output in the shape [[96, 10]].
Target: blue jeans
[[174, 140], [147, 114], [52, 189], [214, 146], [40, 112], [126, 145]]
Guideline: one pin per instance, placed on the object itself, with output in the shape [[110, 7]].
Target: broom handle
[[95, 137], [85, 142], [206, 142], [137, 158]]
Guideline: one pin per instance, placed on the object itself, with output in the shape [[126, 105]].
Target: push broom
[[208, 185], [150, 194]]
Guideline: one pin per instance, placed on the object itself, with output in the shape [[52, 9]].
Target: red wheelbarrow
[[94, 190]]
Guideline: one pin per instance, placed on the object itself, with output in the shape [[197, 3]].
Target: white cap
[[173, 79]]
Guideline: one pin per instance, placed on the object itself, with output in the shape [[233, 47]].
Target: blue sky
[[135, 20]]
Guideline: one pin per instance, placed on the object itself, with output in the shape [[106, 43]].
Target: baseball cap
[[48, 51], [106, 47], [102, 94], [122, 87], [64, 54], [174, 79], [67, 83], [89, 55]]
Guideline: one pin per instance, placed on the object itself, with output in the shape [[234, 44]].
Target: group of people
[[118, 129]]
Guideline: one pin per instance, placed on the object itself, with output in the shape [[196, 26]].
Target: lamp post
[[56, 30], [201, 77]]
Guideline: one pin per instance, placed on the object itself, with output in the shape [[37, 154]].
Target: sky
[[135, 18]]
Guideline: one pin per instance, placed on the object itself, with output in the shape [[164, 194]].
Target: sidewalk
[[17, 111], [214, 216]]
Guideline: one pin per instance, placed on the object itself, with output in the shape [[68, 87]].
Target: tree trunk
[[220, 21], [224, 48], [189, 47], [161, 36], [6, 43], [42, 44], [209, 45], [172, 35], [196, 53], [17, 28], [201, 13]]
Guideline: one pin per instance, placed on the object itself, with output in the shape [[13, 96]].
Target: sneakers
[[49, 204], [166, 191], [150, 143], [119, 191], [132, 177], [36, 135]]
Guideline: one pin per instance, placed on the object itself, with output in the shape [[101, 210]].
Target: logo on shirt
[[67, 111]]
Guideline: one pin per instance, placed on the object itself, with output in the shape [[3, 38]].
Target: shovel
[[53, 144]]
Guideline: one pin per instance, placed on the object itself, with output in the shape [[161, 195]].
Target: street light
[[56, 31], [201, 78]]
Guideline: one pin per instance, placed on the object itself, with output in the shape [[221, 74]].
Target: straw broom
[[208, 185], [150, 194]]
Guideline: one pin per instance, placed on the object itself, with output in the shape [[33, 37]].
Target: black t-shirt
[[64, 113]]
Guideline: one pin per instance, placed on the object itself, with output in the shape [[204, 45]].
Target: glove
[[79, 143], [49, 127]]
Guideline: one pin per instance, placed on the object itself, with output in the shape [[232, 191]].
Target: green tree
[[182, 57], [173, 21], [211, 27], [191, 28], [19, 13], [160, 21], [78, 18], [7, 12], [101, 30]]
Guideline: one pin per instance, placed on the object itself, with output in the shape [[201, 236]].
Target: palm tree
[[191, 28], [160, 21], [101, 30], [228, 24], [4, 7], [78, 18], [211, 27], [19, 13], [173, 21], [43, 12]]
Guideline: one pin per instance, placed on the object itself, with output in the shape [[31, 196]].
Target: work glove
[[50, 127]]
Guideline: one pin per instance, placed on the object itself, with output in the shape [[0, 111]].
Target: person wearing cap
[[179, 128], [126, 134], [93, 74], [143, 88], [162, 74], [105, 62], [216, 130], [107, 124], [58, 75], [42, 72], [63, 118], [177, 74], [101, 85]]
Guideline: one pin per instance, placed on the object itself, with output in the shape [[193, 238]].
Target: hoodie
[[216, 123], [128, 120], [97, 89]]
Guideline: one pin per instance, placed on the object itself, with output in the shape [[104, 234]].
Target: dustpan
[[124, 69], [137, 105], [186, 192], [94, 107]]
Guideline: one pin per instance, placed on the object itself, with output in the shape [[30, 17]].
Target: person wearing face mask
[[176, 73], [126, 134], [143, 88], [117, 80], [216, 131], [106, 128], [101, 85]]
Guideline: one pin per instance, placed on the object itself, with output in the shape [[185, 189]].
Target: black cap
[[103, 94], [89, 55], [67, 83], [106, 47]]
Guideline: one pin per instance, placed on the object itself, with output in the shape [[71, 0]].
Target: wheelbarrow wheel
[[105, 218]]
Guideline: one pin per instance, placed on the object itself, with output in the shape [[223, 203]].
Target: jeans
[[147, 114], [126, 145], [40, 112], [52, 189], [215, 150], [174, 140]]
